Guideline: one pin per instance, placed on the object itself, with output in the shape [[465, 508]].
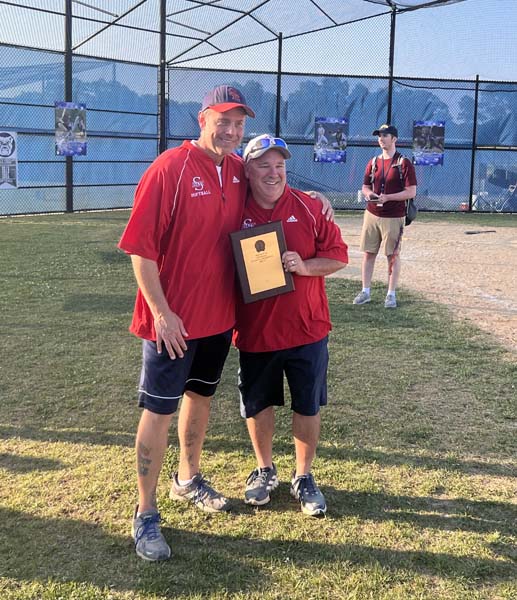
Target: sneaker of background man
[[259, 485], [390, 302], [199, 493], [149, 541], [305, 490], [362, 298]]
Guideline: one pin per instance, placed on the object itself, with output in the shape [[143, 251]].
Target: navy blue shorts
[[261, 378], [163, 381]]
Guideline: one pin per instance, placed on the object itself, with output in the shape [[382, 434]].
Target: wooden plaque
[[258, 256]]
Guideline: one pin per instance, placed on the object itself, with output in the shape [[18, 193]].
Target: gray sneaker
[[390, 302], [149, 541], [199, 493], [362, 298], [305, 490], [259, 485]]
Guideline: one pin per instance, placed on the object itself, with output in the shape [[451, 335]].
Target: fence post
[[162, 87], [69, 163], [474, 143], [278, 86], [391, 61]]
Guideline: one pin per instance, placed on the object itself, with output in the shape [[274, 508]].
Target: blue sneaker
[[259, 485], [305, 490], [149, 541]]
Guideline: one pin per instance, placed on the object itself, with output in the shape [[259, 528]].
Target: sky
[[474, 37], [453, 41]]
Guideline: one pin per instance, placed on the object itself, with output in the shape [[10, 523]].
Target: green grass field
[[417, 456]]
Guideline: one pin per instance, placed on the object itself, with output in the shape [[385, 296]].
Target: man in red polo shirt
[[288, 332]]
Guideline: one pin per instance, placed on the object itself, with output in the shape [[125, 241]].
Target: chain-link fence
[[469, 178], [121, 129], [128, 104]]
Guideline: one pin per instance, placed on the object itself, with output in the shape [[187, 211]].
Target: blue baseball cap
[[225, 97]]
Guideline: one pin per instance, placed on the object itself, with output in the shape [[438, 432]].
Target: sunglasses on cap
[[262, 144]]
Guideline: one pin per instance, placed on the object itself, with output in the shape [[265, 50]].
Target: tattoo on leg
[[190, 439], [143, 463]]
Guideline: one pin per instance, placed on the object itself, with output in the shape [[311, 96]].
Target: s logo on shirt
[[248, 223], [197, 183], [198, 187]]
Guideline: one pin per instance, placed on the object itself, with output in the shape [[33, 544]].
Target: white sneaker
[[199, 493], [390, 302]]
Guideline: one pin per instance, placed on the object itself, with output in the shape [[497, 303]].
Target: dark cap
[[386, 129], [225, 97]]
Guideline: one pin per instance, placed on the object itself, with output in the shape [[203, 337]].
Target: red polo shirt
[[181, 219], [302, 316]]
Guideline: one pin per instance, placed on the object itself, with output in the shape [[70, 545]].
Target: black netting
[[497, 114], [304, 97], [426, 100], [121, 122], [339, 70], [187, 88]]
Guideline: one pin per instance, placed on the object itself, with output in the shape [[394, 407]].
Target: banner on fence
[[330, 139], [70, 122], [428, 142], [8, 160]]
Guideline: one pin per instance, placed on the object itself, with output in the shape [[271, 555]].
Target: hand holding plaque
[[258, 256]]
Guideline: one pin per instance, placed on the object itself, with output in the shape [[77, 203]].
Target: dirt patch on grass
[[474, 275]]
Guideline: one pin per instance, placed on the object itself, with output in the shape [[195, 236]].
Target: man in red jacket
[[186, 204], [286, 333]]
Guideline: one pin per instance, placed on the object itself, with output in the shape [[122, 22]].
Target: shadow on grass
[[470, 467], [73, 436], [424, 512], [220, 444], [366, 456], [70, 550], [26, 464]]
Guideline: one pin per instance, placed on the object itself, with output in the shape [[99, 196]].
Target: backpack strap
[[372, 171], [399, 162]]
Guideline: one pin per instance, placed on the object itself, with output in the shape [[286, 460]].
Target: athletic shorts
[[163, 381], [381, 233], [261, 378]]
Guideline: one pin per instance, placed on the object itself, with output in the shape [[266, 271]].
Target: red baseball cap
[[226, 97]]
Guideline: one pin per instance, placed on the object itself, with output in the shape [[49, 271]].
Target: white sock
[[185, 482], [366, 291], [140, 512], [391, 294]]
